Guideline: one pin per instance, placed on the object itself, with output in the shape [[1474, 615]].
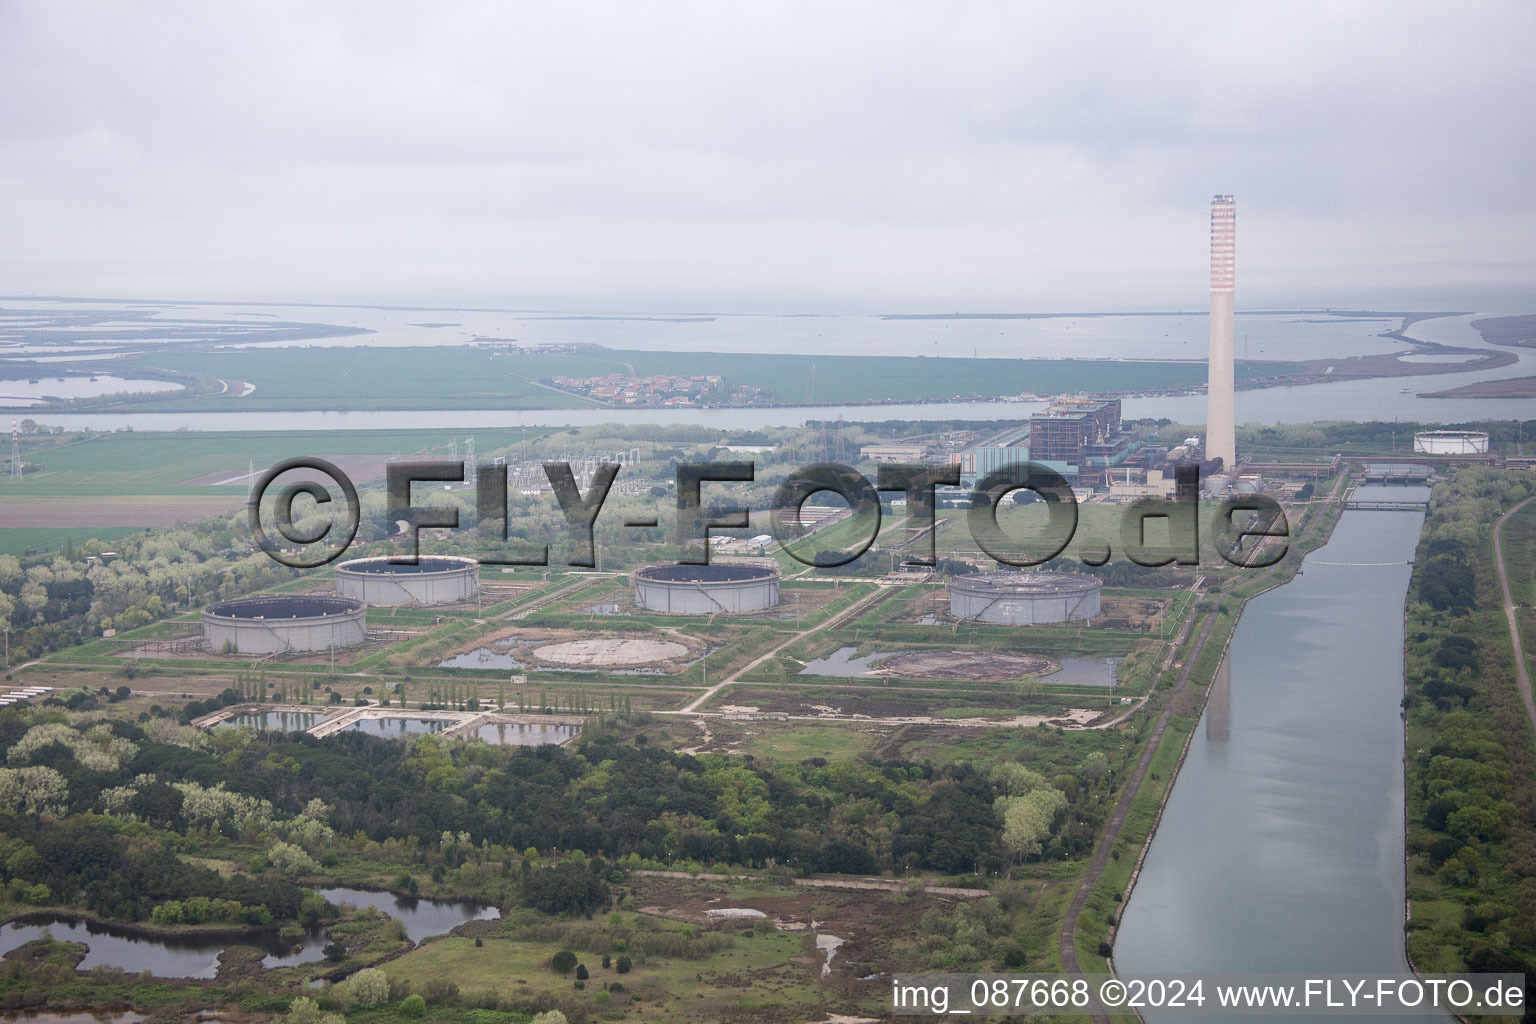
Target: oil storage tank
[[433, 579], [1450, 442], [705, 589], [1024, 598], [272, 625]]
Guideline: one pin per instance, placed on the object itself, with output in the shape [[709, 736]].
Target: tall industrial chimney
[[1220, 432]]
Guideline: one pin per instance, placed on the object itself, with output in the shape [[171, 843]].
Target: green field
[[32, 539], [471, 378], [128, 462]]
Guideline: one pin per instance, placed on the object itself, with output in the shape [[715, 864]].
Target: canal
[[1281, 847]]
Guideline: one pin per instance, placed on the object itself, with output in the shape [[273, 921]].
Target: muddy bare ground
[[974, 666], [875, 926], [666, 651]]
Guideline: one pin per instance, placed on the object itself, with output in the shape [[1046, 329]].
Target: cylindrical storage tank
[[271, 625], [1024, 598], [434, 579], [1450, 442], [705, 589]]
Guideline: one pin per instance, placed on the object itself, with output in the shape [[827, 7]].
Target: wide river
[[1281, 848]]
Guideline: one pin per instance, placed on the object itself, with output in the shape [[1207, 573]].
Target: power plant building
[[1081, 438]]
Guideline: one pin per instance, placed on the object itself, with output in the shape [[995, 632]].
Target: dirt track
[[1512, 613]]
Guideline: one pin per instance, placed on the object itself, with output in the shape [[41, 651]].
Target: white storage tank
[[1450, 442], [1011, 598], [272, 625], [706, 589], [433, 579]]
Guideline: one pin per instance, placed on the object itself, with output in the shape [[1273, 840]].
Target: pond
[[394, 728], [481, 657], [421, 917], [523, 734], [197, 956], [842, 662], [1083, 672], [273, 721], [180, 956]]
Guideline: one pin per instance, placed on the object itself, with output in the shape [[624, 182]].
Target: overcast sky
[[767, 156]]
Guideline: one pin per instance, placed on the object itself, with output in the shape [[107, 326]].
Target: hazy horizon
[[868, 157]]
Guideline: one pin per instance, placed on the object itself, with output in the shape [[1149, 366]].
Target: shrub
[[335, 951], [413, 1006], [581, 972], [441, 991], [370, 986], [563, 961], [623, 964]]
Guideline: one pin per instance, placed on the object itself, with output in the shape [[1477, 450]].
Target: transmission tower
[[15, 451], [469, 457]]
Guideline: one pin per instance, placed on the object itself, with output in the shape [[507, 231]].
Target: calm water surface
[[1281, 848], [198, 956], [421, 917], [394, 728], [523, 734], [168, 957], [277, 721]]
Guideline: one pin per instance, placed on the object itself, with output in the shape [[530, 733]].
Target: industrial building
[[273, 625], [1009, 447], [433, 579], [1450, 442], [1009, 598], [1081, 438], [705, 589], [894, 452], [1131, 484]]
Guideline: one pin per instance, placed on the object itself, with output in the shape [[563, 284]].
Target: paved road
[[1512, 613]]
